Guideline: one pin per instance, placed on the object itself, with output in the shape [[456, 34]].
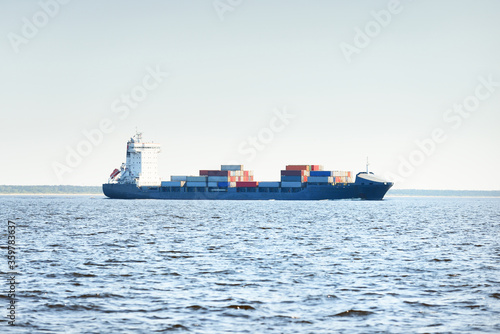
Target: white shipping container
[[231, 167], [291, 184], [178, 178], [172, 183], [269, 184], [195, 184], [202, 178]]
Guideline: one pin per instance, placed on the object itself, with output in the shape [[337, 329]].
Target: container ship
[[138, 178]]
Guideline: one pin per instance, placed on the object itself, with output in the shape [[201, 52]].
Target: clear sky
[[413, 85]]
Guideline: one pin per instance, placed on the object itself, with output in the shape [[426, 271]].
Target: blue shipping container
[[320, 173], [320, 179], [269, 184], [285, 178], [224, 184]]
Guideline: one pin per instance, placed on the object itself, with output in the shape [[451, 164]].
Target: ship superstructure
[[138, 179], [141, 166]]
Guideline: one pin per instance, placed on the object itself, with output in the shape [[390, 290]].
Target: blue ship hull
[[373, 191]]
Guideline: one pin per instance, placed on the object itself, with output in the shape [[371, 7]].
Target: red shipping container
[[203, 172], [316, 167], [245, 173], [298, 167], [247, 184], [304, 179], [232, 179]]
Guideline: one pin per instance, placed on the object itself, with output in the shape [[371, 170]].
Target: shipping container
[[291, 184], [172, 183], [223, 184], [195, 184], [178, 178], [292, 178], [218, 179], [320, 173], [320, 179], [215, 172], [202, 178], [316, 167], [341, 179], [298, 167], [295, 173], [212, 184], [231, 167], [246, 184], [269, 184], [218, 173]]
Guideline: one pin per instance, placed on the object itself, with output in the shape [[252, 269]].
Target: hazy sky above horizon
[[413, 85]]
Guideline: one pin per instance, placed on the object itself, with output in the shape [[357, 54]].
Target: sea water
[[87, 264]]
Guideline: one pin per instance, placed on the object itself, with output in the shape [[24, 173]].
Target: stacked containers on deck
[[228, 176], [294, 175], [320, 176], [234, 176], [237, 177], [196, 181], [336, 176], [342, 176]]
